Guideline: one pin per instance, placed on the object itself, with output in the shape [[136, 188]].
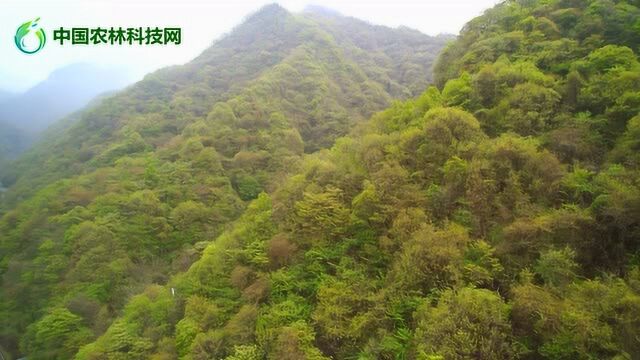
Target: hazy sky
[[202, 21]]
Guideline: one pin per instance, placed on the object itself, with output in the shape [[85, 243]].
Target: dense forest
[[213, 213], [130, 191]]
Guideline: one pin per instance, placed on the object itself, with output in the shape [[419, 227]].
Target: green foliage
[[557, 267], [495, 219], [321, 214], [481, 266], [457, 92], [145, 320], [245, 352], [296, 342], [465, 323], [57, 335], [248, 187], [130, 192], [531, 109], [341, 312], [431, 259], [577, 322], [628, 146]]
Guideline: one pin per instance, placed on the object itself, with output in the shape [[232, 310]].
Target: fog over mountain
[[64, 91], [24, 116]]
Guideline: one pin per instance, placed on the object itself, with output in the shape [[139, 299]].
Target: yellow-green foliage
[[495, 217]]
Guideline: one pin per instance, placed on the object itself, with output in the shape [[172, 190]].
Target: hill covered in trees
[[130, 191], [494, 217]]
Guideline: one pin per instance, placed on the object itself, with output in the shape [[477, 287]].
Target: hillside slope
[[370, 77], [130, 192], [494, 218]]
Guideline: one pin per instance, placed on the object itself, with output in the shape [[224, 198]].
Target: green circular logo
[[30, 29]]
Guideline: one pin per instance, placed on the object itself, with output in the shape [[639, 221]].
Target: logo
[[27, 35], [31, 38]]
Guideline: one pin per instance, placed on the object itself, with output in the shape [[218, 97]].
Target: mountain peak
[[272, 10], [266, 22]]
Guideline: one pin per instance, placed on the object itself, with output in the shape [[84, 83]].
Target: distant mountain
[[66, 90], [23, 117], [13, 141]]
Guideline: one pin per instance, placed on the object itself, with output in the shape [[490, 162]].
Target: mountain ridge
[[219, 78], [494, 216], [134, 186]]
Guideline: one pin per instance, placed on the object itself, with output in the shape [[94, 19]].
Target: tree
[[432, 258], [466, 323], [557, 267], [296, 342], [457, 92], [191, 221], [628, 146], [447, 132], [321, 214], [531, 109], [485, 86], [57, 335], [248, 187]]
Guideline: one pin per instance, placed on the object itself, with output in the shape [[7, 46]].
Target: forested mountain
[[495, 217], [132, 190]]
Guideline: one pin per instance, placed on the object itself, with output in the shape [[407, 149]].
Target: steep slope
[[401, 57], [131, 191], [496, 218], [226, 68]]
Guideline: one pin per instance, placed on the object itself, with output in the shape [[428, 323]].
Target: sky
[[201, 21]]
